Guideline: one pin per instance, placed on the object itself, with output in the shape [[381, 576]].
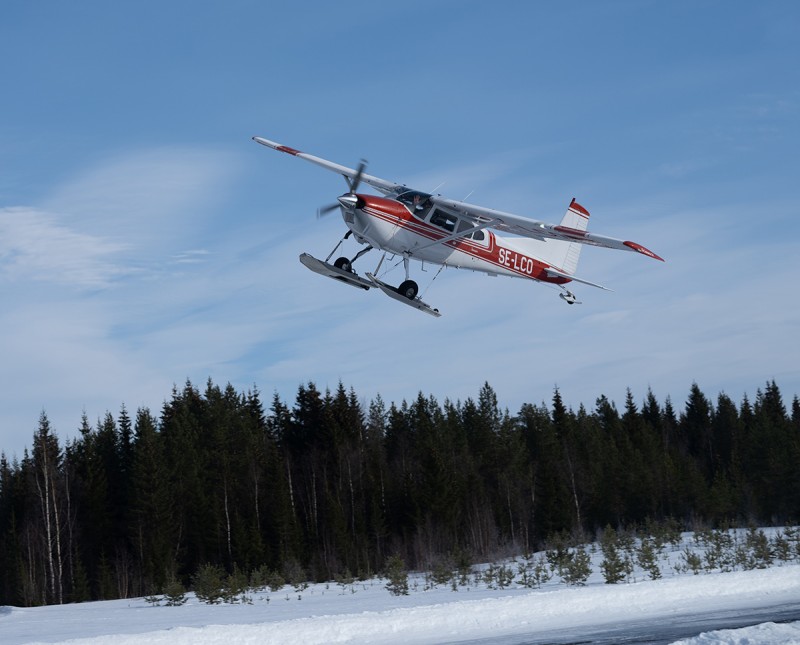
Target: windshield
[[418, 203]]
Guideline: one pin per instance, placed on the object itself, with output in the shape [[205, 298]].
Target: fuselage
[[420, 231]]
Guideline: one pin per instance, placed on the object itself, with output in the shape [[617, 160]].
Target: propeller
[[357, 179], [326, 210], [348, 200]]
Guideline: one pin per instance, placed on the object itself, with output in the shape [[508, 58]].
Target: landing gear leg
[[360, 253], [330, 255], [347, 265]]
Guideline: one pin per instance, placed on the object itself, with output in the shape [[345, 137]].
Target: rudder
[[576, 217]]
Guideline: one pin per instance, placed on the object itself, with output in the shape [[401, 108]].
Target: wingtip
[[276, 146], [643, 250]]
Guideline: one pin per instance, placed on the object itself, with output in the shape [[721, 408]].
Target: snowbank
[[768, 633], [326, 614]]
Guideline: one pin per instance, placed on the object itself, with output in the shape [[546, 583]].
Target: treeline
[[330, 487]]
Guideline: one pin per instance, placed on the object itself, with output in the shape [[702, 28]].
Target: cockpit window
[[418, 203]]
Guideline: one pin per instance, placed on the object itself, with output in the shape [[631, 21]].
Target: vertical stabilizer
[[565, 255]]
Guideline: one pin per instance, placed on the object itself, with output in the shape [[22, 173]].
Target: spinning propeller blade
[[357, 179], [326, 210]]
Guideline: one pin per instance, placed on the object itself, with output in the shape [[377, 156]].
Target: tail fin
[[565, 255]]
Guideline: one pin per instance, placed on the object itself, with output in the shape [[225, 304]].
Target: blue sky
[[145, 239]]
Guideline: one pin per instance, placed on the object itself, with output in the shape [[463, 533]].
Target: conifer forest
[[330, 486]]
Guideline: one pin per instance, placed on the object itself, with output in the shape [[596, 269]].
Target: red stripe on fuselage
[[395, 213]]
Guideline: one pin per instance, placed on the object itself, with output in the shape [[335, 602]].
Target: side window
[[464, 225], [444, 220]]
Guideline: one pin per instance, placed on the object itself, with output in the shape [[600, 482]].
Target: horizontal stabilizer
[[560, 274]]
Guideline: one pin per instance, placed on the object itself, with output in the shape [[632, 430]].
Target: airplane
[[416, 225]]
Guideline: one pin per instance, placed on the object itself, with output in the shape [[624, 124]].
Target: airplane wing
[[384, 186], [486, 217], [536, 229]]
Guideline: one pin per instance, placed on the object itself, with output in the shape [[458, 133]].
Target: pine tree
[[695, 426], [612, 481], [613, 566], [152, 524], [397, 576], [11, 558], [187, 453], [769, 457]]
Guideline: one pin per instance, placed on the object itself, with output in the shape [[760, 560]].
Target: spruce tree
[[152, 524]]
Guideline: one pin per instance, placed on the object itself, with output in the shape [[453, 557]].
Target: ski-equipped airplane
[[415, 225]]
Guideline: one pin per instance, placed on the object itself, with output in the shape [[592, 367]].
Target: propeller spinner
[[349, 200]]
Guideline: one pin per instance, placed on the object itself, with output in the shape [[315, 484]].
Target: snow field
[[367, 613]]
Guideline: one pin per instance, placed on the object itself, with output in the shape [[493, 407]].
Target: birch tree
[[46, 459]]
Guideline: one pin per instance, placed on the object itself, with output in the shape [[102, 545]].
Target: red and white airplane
[[416, 225]]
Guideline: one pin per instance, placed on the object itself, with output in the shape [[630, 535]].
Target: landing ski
[[392, 293], [330, 271]]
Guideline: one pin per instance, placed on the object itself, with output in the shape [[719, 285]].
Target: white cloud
[[34, 245], [151, 185], [74, 334]]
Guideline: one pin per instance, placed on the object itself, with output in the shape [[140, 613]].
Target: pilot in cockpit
[[417, 202], [420, 204]]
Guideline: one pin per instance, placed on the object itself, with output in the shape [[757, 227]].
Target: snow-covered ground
[[764, 634], [367, 613]]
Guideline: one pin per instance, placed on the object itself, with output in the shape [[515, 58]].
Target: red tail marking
[[580, 210]]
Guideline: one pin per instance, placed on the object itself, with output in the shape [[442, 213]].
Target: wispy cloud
[[111, 290], [116, 219], [34, 245], [147, 195], [192, 256]]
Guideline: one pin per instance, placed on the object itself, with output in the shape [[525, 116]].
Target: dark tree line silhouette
[[331, 487]]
